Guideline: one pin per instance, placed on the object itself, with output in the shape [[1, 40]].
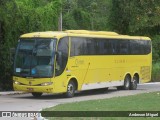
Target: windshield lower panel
[[35, 58]]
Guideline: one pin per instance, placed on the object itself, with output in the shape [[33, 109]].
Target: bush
[[156, 72], [18, 17], [155, 46]]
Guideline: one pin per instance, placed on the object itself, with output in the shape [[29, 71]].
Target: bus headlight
[[46, 83], [17, 83]]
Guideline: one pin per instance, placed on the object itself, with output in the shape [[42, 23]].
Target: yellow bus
[[76, 60]]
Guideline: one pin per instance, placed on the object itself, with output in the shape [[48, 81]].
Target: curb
[[11, 93], [150, 83]]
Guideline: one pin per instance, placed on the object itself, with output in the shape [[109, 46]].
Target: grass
[[156, 72], [141, 102]]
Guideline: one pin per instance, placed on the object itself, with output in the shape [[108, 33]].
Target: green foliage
[[8, 34], [86, 14], [135, 16], [156, 58], [38, 15], [156, 45], [156, 71], [18, 17]]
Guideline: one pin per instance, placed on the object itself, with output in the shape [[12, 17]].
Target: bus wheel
[[127, 83], [134, 83], [36, 94], [70, 89]]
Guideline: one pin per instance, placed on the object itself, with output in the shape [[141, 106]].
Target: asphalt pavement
[[20, 101]]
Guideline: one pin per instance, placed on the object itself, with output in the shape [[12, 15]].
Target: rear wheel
[[37, 94], [70, 89], [134, 83], [127, 83]]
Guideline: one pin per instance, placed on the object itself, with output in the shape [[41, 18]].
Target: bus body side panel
[[78, 66], [107, 71]]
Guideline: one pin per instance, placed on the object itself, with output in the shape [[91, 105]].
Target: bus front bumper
[[27, 88]]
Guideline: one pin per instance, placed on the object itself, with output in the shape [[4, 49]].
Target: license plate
[[30, 89]]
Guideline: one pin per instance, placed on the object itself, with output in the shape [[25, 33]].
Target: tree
[[7, 32], [135, 16], [86, 14], [19, 17], [74, 17]]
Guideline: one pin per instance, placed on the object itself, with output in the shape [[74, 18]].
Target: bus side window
[[113, 47], [124, 47], [62, 56]]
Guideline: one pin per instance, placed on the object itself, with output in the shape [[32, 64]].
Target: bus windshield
[[35, 57]]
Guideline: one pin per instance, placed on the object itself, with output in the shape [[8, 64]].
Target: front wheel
[[37, 94], [70, 89]]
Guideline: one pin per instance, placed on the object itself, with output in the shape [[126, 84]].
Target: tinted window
[[124, 47], [62, 55], [92, 48], [140, 47], [147, 47], [102, 47], [99, 46], [79, 46]]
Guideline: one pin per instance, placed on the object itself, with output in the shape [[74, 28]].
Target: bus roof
[[82, 33], [47, 34]]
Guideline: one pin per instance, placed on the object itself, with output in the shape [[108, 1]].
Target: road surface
[[26, 102]]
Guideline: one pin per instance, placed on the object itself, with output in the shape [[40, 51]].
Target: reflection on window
[[62, 55], [35, 57]]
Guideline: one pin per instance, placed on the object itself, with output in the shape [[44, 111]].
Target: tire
[[127, 83], [133, 85], [70, 89], [37, 94]]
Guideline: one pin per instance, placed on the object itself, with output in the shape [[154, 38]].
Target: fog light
[[47, 83]]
